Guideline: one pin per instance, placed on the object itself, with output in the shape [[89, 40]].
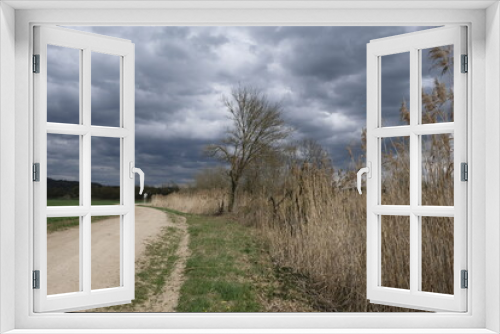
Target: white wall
[[7, 161], [120, 17], [492, 163]]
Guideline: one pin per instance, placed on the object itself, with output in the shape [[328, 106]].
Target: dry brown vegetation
[[204, 201]]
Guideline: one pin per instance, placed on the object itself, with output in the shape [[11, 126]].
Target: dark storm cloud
[[105, 102], [395, 78], [63, 157], [177, 162], [317, 73], [63, 84], [105, 161]]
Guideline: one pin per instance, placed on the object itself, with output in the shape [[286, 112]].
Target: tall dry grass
[[320, 230], [205, 201]]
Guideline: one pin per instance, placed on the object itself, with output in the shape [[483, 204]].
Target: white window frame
[[413, 44], [86, 44], [482, 18]]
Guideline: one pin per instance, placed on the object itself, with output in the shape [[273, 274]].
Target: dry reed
[[213, 201]]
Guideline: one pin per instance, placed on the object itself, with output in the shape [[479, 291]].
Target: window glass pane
[[395, 242], [63, 255], [105, 89], [63, 85], [105, 171], [105, 250], [395, 90], [63, 170], [437, 170], [437, 254], [437, 84], [395, 171]]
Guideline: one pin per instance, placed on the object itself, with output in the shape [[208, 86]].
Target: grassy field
[[75, 202]]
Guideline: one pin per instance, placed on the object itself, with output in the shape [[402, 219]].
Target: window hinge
[[464, 171], [36, 63], [36, 172], [36, 279], [465, 279], [465, 64]]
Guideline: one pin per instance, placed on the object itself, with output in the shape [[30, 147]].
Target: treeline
[[62, 189]]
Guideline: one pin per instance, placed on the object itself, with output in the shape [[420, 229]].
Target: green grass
[[219, 273], [63, 223], [75, 202], [158, 264]]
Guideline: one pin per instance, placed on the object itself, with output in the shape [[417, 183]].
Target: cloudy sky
[[317, 73]]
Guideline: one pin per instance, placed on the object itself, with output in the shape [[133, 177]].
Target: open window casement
[[413, 133], [79, 136]]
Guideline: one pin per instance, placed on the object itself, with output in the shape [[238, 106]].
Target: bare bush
[[213, 201]]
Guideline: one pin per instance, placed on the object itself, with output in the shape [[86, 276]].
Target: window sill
[[251, 331]]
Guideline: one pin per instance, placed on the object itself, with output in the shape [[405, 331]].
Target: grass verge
[[218, 272], [230, 270]]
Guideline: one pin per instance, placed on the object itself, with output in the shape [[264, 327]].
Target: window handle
[[368, 171], [139, 171]]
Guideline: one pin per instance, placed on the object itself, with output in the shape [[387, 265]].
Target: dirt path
[[167, 301], [63, 251]]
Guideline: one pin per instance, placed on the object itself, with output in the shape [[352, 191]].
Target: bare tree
[[256, 131]]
